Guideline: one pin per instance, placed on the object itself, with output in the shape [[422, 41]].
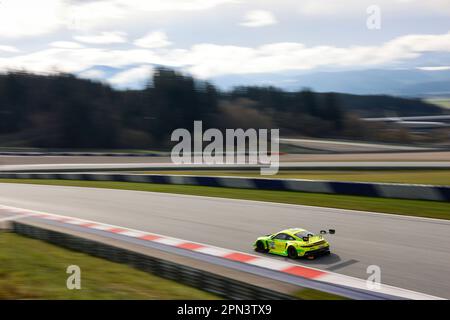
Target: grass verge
[[441, 102], [311, 294], [33, 269], [419, 208], [433, 177]]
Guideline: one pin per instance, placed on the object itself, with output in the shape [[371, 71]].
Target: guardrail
[[382, 190], [206, 281]]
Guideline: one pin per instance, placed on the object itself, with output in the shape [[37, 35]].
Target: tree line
[[63, 111]]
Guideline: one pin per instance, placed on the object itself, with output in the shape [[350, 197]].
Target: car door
[[279, 243]]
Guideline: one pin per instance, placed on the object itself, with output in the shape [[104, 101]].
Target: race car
[[294, 243]]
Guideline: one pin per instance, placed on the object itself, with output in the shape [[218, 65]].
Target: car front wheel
[[260, 247]]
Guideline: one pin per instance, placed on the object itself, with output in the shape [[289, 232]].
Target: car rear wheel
[[292, 253], [260, 247]]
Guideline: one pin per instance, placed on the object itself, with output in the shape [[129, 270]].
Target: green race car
[[294, 243]]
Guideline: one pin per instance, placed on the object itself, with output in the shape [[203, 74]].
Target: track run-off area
[[413, 253]]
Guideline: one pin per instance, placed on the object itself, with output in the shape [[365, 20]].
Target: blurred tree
[[63, 111], [310, 102], [178, 101], [332, 111]]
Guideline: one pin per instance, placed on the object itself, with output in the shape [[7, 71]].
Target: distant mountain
[[100, 72], [407, 82], [399, 82], [432, 88]]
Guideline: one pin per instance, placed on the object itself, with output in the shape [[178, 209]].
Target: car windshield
[[304, 233]]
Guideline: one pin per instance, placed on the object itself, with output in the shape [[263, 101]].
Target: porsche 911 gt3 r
[[294, 243]]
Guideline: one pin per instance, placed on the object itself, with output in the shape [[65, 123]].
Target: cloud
[[91, 14], [20, 18], [154, 5], [210, 60], [259, 18], [132, 76], [156, 39], [206, 60], [440, 68], [66, 45], [352, 7], [77, 60], [103, 38], [10, 49]]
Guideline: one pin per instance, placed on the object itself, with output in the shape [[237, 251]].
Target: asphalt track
[[349, 146], [304, 157], [413, 253]]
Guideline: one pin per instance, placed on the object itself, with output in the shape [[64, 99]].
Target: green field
[[420, 208], [441, 102], [311, 294], [433, 177], [33, 269]]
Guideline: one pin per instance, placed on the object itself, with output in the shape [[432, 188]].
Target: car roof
[[292, 231]]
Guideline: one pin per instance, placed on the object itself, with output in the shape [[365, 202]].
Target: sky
[[121, 41]]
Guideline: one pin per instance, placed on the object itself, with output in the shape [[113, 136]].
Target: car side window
[[288, 237], [281, 236]]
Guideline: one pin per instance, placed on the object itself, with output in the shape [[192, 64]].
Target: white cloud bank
[[208, 60], [258, 18]]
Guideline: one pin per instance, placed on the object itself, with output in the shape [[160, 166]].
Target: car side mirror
[[305, 238]]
